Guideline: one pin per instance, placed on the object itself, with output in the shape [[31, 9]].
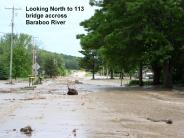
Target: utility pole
[[12, 41], [34, 62], [33, 58]]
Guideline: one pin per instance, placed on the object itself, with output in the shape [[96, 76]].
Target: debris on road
[[78, 82], [167, 121], [72, 91], [74, 132], [124, 133], [34, 98], [29, 88], [14, 130], [26, 130]]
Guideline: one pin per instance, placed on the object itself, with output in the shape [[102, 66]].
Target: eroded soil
[[101, 110]]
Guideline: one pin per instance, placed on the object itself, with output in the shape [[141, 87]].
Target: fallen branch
[[167, 121]]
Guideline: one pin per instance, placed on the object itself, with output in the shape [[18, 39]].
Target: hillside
[[71, 62]]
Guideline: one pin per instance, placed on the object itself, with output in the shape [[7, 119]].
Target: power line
[[12, 40]]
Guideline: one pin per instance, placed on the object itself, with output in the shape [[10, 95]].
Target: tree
[[22, 58], [137, 34], [51, 68], [71, 62], [22, 63], [90, 62]]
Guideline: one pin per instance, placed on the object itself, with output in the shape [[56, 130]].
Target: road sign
[[36, 66]]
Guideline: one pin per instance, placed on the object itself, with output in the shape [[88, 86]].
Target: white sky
[[57, 38]]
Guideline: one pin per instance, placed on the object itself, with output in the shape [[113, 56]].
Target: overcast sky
[[57, 38]]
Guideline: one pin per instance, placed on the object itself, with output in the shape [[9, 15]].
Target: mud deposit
[[100, 110]]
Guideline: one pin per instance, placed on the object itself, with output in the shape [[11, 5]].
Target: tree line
[[51, 64], [128, 36]]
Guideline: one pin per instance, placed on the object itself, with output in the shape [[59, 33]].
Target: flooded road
[[101, 110]]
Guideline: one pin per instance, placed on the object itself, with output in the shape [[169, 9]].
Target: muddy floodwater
[[102, 109]]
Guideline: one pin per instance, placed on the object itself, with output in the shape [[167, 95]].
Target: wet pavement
[[101, 110]]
